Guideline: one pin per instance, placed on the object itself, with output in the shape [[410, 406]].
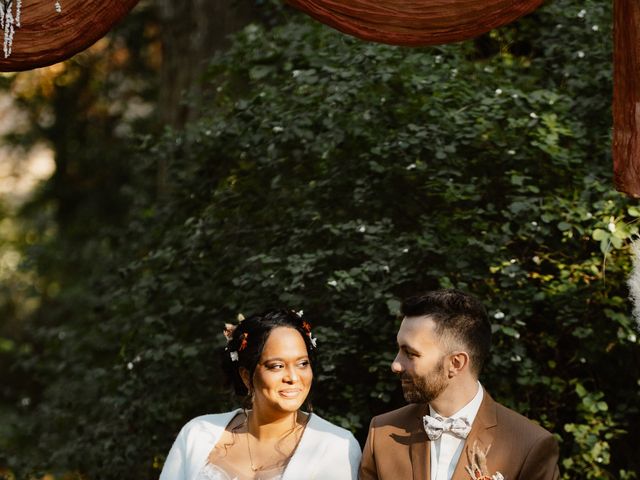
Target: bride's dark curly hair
[[248, 340]]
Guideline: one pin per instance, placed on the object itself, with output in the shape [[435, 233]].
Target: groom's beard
[[424, 389]]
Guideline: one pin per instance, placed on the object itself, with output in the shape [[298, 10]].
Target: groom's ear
[[458, 363]]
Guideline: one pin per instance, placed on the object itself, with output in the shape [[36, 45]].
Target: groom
[[451, 426]]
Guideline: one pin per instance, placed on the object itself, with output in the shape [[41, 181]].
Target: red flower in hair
[[243, 341], [306, 326]]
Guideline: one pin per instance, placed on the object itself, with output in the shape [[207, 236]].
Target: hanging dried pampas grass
[[634, 281]]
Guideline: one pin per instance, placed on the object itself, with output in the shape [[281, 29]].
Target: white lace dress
[[222, 470]]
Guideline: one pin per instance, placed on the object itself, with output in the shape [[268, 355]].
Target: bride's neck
[[265, 427]]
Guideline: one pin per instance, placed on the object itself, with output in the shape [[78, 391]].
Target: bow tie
[[436, 426]]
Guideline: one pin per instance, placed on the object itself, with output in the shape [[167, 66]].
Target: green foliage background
[[339, 176]]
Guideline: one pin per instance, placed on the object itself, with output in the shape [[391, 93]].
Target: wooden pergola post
[[626, 97]]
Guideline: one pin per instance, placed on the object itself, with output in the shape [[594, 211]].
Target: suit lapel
[[481, 432], [420, 449]]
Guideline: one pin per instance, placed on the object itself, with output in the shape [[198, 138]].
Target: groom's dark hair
[[458, 316]]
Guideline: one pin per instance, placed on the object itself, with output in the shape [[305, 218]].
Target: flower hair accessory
[[243, 341], [477, 468], [243, 344], [228, 334], [306, 326], [228, 331]]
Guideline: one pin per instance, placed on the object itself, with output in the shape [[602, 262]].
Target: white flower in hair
[[314, 342], [228, 331], [300, 313]]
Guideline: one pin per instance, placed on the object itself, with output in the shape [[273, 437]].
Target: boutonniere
[[477, 468]]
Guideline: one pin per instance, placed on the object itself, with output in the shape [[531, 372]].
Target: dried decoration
[[37, 33], [10, 16], [633, 282]]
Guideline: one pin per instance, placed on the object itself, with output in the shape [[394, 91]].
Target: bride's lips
[[293, 393]]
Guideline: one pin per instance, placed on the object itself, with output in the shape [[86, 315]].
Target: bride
[[268, 359]]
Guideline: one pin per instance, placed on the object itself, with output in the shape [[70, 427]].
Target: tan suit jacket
[[398, 448]]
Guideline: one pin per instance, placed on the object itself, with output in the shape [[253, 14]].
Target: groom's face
[[420, 361]]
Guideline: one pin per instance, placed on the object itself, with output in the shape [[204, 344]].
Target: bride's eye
[[274, 366]]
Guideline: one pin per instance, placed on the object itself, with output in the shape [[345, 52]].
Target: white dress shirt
[[446, 451]]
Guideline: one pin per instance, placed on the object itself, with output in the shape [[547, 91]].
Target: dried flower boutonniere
[[477, 468]]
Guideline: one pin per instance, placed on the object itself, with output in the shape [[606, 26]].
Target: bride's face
[[283, 376]]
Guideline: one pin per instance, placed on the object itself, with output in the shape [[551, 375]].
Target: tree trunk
[[191, 33]]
